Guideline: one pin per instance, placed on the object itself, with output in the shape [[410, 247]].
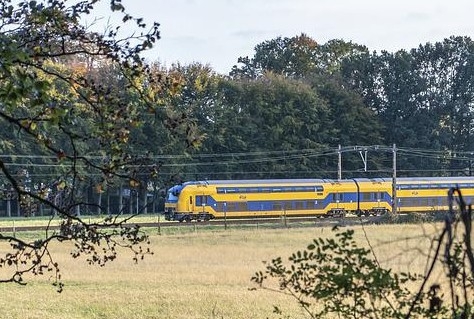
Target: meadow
[[197, 273]]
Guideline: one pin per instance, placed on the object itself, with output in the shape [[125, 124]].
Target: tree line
[[279, 114], [295, 94]]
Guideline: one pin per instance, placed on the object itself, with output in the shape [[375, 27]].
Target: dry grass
[[12, 222], [203, 274]]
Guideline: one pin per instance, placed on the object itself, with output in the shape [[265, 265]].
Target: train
[[218, 199]]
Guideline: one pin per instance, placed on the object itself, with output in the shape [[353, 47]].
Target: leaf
[[134, 183]]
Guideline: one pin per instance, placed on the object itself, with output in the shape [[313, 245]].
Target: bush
[[333, 277]]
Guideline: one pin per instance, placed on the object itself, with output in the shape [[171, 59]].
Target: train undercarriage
[[333, 213]]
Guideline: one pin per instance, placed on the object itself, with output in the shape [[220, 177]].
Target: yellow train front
[[282, 197]]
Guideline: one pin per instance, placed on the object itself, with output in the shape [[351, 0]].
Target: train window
[[277, 206], [288, 206], [299, 189], [225, 190], [443, 202], [299, 205], [231, 207], [366, 197], [201, 200], [310, 204], [412, 202], [406, 202], [337, 197], [242, 206]]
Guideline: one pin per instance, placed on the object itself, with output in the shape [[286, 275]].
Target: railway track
[[275, 222]]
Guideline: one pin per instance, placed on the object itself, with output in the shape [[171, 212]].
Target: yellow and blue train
[[205, 200]]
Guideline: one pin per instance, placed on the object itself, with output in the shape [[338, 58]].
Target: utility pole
[[339, 164], [394, 180]]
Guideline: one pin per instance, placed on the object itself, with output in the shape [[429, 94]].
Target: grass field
[[196, 274]]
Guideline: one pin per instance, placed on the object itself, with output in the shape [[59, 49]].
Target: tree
[[423, 97], [336, 277], [352, 122], [296, 57], [54, 103], [271, 113], [447, 70]]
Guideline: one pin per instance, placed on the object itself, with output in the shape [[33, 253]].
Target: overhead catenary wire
[[236, 158]]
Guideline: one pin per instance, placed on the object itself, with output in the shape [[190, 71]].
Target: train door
[[337, 207], [201, 203], [378, 196], [382, 203], [190, 203], [337, 199]]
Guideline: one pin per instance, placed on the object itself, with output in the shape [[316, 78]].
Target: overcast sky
[[217, 32]]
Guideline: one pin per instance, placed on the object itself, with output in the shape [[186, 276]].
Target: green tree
[[335, 277], [296, 57], [347, 120], [271, 113], [422, 97], [447, 71], [55, 103], [352, 122]]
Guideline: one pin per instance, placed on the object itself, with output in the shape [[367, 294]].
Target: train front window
[[173, 193], [171, 198]]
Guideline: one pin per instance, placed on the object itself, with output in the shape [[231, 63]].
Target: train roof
[[450, 179], [282, 181], [258, 181], [454, 179]]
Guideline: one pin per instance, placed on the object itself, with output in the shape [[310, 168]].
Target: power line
[[237, 158]]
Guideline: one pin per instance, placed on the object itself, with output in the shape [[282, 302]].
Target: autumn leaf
[[134, 183]]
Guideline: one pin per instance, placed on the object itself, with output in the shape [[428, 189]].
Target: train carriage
[[270, 198], [374, 196], [250, 198], [425, 194], [204, 200]]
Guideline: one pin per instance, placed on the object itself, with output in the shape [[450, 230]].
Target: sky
[[218, 32]]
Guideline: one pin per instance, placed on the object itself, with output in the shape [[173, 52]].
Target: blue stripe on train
[[296, 204]]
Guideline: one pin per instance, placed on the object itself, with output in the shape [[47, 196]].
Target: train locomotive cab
[[171, 201], [195, 203]]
